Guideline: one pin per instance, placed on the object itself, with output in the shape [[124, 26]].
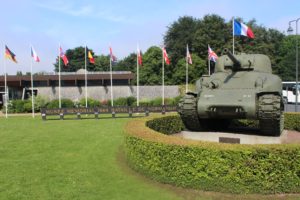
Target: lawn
[[79, 159], [70, 159]]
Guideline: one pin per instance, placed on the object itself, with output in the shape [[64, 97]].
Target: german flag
[[10, 55]]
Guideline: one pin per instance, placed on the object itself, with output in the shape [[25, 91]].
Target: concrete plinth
[[224, 137]]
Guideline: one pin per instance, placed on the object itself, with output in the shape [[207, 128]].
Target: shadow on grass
[[193, 194]]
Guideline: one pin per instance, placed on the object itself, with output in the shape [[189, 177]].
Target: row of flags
[[240, 29]]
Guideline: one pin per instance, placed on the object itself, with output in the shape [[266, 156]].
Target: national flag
[[90, 56], [139, 57], [34, 55], [212, 56], [112, 57], [165, 56], [10, 55], [63, 56], [242, 29], [188, 55]]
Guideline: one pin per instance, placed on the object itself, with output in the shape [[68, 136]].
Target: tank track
[[270, 115], [188, 112]]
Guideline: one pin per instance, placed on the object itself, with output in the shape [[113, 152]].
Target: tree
[[151, 71], [178, 35], [287, 53], [76, 59], [196, 70]]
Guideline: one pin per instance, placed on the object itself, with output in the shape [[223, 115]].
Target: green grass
[[79, 159], [70, 159]]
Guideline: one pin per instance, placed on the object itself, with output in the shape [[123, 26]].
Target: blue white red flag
[[34, 55], [212, 56], [242, 29]]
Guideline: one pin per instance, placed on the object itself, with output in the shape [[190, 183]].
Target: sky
[[119, 24]]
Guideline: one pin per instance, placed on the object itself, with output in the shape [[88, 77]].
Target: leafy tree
[[151, 71], [76, 59], [195, 70], [287, 53], [179, 34]]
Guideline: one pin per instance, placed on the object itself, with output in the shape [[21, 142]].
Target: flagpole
[[186, 70], [137, 76], [111, 84], [163, 80], [208, 62], [59, 78], [5, 89], [233, 35], [32, 103], [85, 76]]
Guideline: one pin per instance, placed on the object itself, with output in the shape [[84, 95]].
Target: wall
[[103, 93]]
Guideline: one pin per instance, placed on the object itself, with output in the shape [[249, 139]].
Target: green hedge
[[211, 166], [166, 125]]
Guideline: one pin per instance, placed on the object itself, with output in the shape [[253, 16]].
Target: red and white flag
[[139, 57], [63, 56], [188, 55], [212, 56], [113, 58], [34, 55], [165, 55]]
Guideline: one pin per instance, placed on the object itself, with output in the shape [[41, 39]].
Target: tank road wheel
[[188, 112], [271, 118]]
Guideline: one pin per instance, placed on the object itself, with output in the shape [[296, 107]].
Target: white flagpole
[[111, 84], [208, 63], [32, 103], [233, 35], [187, 70], [137, 77], [5, 88], [59, 79], [85, 76], [163, 80]]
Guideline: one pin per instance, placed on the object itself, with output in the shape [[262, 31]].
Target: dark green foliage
[[212, 166], [65, 103], [90, 102], [245, 169], [19, 106], [166, 125], [292, 121]]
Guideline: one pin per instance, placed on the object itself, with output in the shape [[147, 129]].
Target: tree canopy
[[210, 30]]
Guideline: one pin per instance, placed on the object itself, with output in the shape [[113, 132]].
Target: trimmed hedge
[[211, 166], [166, 125]]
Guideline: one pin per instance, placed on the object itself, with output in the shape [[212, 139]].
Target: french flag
[[242, 29]]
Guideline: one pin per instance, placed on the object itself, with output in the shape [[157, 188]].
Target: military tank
[[242, 87]]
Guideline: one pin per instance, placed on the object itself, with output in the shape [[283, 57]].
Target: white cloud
[[69, 8]]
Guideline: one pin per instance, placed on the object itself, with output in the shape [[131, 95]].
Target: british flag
[[212, 56]]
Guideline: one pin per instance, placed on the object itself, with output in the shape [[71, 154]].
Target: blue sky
[[121, 24]]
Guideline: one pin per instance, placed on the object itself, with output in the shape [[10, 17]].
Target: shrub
[[90, 102], [40, 102], [65, 103], [122, 101], [167, 125], [130, 101], [211, 166]]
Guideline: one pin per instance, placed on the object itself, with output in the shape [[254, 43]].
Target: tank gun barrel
[[232, 58]]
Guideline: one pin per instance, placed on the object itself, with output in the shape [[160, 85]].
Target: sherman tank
[[242, 87]]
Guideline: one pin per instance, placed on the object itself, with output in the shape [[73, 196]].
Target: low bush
[[65, 103], [210, 166], [166, 125], [292, 121], [90, 102]]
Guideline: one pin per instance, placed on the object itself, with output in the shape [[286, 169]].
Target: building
[[19, 86], [73, 86]]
